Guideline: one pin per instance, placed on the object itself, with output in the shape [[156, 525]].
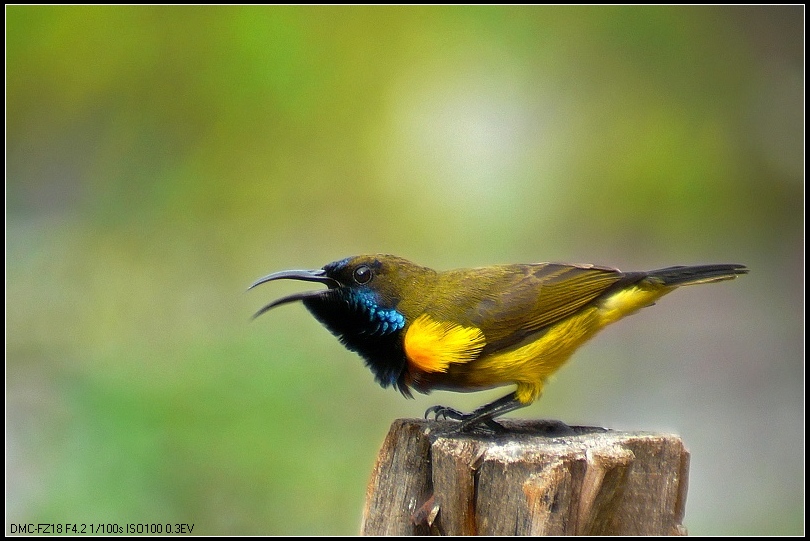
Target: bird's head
[[367, 303]]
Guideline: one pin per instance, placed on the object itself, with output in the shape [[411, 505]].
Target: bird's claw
[[467, 421], [445, 412]]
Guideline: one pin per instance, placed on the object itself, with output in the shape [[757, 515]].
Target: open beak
[[318, 275]]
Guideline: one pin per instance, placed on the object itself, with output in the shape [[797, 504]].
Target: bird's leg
[[487, 413], [483, 415]]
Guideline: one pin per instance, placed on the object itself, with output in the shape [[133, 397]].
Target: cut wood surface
[[535, 478]]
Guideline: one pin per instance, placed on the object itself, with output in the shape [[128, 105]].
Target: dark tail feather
[[699, 274]]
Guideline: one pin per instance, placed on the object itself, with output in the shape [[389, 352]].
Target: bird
[[471, 329]]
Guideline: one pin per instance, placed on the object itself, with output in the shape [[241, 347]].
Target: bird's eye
[[362, 274]]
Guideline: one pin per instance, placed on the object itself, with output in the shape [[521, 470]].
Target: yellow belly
[[530, 363]]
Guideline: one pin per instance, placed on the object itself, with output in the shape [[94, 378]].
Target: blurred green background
[[159, 159]]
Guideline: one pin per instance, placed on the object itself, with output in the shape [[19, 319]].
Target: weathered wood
[[536, 478], [403, 474]]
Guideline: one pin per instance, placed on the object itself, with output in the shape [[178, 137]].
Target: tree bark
[[535, 478]]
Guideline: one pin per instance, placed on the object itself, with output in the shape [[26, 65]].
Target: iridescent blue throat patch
[[381, 320]]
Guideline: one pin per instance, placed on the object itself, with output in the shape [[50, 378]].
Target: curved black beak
[[318, 275]]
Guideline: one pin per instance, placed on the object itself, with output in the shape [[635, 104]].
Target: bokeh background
[[159, 159]]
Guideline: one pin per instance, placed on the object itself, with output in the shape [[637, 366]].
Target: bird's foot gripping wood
[[483, 417], [468, 422]]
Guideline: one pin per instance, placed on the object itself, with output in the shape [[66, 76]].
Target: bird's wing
[[520, 300]]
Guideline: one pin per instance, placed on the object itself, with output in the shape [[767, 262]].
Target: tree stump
[[536, 478]]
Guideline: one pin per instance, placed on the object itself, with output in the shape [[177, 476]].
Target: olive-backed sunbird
[[474, 329]]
